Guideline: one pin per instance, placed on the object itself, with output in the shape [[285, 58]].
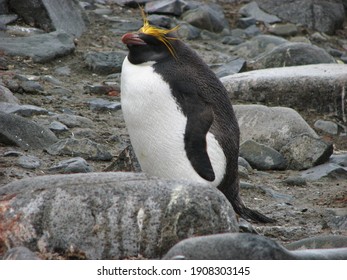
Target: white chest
[[156, 126]]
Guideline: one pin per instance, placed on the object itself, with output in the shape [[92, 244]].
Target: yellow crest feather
[[159, 33]]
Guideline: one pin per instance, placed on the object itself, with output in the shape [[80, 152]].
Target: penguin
[[178, 115]]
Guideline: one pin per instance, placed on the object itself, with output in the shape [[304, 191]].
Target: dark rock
[[252, 10], [85, 148], [252, 31], [73, 120], [109, 215], [262, 157], [245, 22], [295, 181], [99, 89], [104, 63], [305, 151], [324, 16], [209, 17], [7, 18], [327, 126], [65, 15], [188, 31], [103, 105], [29, 162], [170, 7], [72, 165], [7, 96], [327, 170], [161, 21], [319, 242], [234, 66], [4, 6], [16, 130], [31, 87], [317, 87], [292, 54], [20, 253], [41, 48], [244, 246], [22, 110], [232, 40]]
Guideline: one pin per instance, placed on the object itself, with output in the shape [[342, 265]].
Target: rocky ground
[[302, 208]]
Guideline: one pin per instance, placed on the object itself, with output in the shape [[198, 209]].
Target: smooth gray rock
[[170, 7], [52, 15], [245, 246], [72, 165], [20, 253], [305, 151], [16, 130], [272, 126], [109, 215], [292, 54], [258, 45], [7, 96], [31, 87], [319, 87], [73, 120], [63, 71], [234, 66], [327, 170], [262, 157], [324, 16], [57, 127], [340, 159], [327, 126], [29, 162], [103, 105], [319, 242], [208, 17], [252, 10], [22, 110], [284, 29], [85, 148], [41, 48], [104, 63]]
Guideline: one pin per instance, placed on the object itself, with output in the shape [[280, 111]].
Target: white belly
[[156, 127]]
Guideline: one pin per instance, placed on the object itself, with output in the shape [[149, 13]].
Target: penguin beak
[[132, 39]]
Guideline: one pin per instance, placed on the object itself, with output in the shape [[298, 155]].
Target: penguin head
[[150, 43]]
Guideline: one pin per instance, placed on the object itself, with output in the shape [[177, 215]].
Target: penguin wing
[[199, 120]]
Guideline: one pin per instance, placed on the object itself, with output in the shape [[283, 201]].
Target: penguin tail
[[249, 214]]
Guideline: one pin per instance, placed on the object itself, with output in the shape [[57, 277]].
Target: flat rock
[[262, 157], [29, 162], [317, 87], [324, 16], [305, 151], [319, 242], [72, 165], [7, 96], [41, 48], [292, 54], [22, 110], [73, 120], [244, 246], [16, 130], [85, 148], [252, 10], [103, 105], [170, 7], [327, 170], [234, 66], [272, 126], [51, 15], [109, 215], [104, 62]]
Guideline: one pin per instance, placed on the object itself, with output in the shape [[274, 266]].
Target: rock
[[7, 96], [305, 151], [99, 89], [170, 7], [109, 215], [258, 45], [336, 218], [41, 48], [208, 17], [340, 159], [52, 15], [317, 87], [245, 22], [31, 87], [262, 157], [324, 16], [52, 80], [161, 21], [327, 126], [58, 127], [29, 162], [73, 120], [252, 10], [272, 126], [22, 110], [327, 170], [104, 63], [319, 242], [72, 165], [241, 161], [85, 148], [103, 105], [295, 181], [244, 246], [284, 29], [16, 130], [292, 54], [63, 71], [234, 66], [20, 253]]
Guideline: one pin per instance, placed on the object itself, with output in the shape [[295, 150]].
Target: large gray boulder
[[322, 15], [320, 87], [109, 215], [51, 15]]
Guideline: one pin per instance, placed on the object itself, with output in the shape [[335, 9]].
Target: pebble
[[327, 126], [103, 105], [104, 63], [71, 120], [33, 87], [29, 162], [56, 126], [328, 170], [22, 110], [73, 165], [63, 71], [284, 29]]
